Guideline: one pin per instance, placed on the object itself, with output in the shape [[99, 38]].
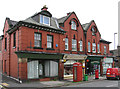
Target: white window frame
[[43, 20], [66, 44], [98, 46], [50, 41], [89, 47], [94, 47], [74, 46], [81, 45], [73, 25], [38, 40]]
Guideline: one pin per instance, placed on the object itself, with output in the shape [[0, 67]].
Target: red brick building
[[38, 47], [97, 50]]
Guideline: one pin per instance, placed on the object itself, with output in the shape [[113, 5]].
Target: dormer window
[[73, 25], [44, 20]]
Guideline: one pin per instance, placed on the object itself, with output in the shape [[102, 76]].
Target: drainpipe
[[9, 51], [18, 58]]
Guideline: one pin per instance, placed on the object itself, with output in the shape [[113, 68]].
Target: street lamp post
[[114, 40]]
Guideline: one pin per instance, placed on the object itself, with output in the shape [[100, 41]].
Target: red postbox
[[96, 74], [77, 72]]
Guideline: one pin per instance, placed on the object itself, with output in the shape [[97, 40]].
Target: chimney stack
[[44, 8], [68, 13]]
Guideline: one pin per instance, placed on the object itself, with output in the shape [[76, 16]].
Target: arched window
[[73, 25]]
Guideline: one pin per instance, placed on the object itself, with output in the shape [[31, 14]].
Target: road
[[103, 83]]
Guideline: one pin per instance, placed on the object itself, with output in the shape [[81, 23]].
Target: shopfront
[[42, 68], [93, 63], [38, 65], [107, 63], [70, 60]]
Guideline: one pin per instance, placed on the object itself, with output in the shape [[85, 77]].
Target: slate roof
[[53, 23], [34, 20], [11, 22], [86, 25], [104, 41], [63, 19]]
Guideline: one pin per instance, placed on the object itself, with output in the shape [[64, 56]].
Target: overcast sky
[[103, 12]]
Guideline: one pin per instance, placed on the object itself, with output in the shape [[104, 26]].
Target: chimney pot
[[44, 8]]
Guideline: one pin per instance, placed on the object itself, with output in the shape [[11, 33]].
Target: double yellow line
[[3, 84]]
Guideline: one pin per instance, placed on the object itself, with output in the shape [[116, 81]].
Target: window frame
[[66, 44], [49, 41], [98, 48], [73, 25], [43, 16], [94, 47], [14, 39], [74, 49], [105, 49], [6, 43], [89, 48], [81, 45], [38, 40]]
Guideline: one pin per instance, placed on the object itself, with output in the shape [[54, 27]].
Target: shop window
[[66, 43], [94, 48], [37, 40], [44, 20], [74, 45], [73, 25], [49, 41], [81, 45], [88, 46]]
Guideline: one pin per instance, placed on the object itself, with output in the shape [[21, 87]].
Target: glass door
[[40, 69]]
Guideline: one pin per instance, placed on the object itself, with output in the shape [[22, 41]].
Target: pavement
[[8, 82]]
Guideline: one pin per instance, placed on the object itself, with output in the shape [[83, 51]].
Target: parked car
[[113, 73]]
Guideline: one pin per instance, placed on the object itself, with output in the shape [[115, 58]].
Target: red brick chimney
[[68, 13], [44, 8]]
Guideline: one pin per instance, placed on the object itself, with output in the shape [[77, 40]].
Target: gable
[[89, 26], [6, 26]]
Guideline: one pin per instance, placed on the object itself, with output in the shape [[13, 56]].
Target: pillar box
[[77, 72]]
